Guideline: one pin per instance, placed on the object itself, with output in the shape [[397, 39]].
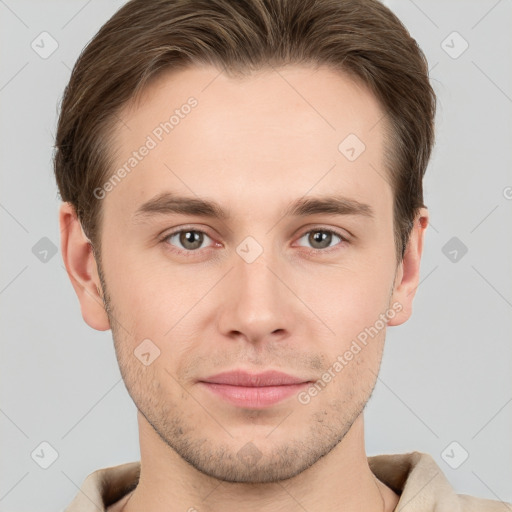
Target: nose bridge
[[258, 286], [254, 304], [256, 281]]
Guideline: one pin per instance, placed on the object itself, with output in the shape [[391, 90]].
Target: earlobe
[[408, 272], [81, 268]]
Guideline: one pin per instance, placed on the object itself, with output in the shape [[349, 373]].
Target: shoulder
[[474, 504], [422, 485]]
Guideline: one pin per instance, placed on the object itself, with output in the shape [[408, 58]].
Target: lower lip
[[254, 397]]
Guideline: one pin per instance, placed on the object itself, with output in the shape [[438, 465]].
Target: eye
[[188, 240], [321, 239]]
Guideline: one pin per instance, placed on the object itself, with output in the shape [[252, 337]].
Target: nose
[[256, 304]]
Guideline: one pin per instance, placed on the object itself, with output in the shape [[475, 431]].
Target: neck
[[341, 480]]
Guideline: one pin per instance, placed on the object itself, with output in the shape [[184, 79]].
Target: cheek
[[353, 304], [147, 299], [348, 297]]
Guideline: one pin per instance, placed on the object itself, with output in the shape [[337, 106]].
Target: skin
[[253, 145]]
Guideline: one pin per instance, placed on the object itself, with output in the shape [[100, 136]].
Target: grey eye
[[189, 239], [320, 238]]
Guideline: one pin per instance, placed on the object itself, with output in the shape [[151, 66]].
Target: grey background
[[446, 374]]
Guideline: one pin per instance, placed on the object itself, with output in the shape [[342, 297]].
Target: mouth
[[254, 391]]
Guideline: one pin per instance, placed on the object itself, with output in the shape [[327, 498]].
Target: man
[[243, 207]]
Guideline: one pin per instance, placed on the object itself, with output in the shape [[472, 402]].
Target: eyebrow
[[168, 203]]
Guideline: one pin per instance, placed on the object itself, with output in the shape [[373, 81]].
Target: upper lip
[[244, 378]]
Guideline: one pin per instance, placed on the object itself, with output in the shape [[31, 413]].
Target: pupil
[[191, 238], [319, 236]]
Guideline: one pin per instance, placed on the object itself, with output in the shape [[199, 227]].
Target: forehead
[[273, 135]]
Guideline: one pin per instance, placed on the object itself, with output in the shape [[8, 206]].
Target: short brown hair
[[361, 38]]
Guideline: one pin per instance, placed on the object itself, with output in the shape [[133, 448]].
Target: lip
[[247, 379], [254, 390]]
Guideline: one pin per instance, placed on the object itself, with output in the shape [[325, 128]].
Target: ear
[[81, 267], [408, 272]]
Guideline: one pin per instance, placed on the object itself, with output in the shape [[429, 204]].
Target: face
[[307, 291]]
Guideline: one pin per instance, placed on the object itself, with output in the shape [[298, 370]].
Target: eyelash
[[192, 253]]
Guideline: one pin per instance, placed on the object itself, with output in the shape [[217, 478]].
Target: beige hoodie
[[414, 476]]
